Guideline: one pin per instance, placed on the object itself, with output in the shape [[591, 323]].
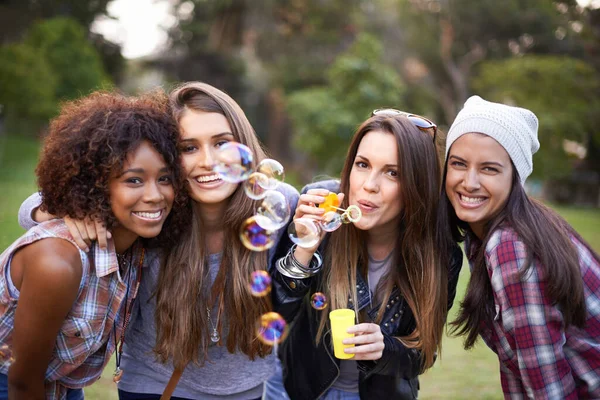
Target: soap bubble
[[271, 329], [331, 221], [260, 283], [318, 301], [233, 162], [273, 170], [255, 185], [353, 213], [275, 209], [305, 232], [254, 237]]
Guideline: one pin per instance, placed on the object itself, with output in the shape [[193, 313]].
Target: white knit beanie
[[513, 127]]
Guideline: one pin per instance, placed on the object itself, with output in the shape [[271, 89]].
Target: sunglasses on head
[[422, 123]]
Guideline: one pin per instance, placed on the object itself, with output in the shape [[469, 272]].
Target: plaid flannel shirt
[[86, 339], [538, 357]]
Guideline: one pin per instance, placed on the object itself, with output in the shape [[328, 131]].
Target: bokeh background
[[307, 72]]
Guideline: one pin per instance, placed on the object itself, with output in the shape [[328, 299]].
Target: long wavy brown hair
[[184, 289], [419, 266]]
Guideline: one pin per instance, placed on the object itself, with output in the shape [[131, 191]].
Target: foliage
[[563, 92], [451, 36], [72, 59], [53, 63], [27, 82], [325, 117]]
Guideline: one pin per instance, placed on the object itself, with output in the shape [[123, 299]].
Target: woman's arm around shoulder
[[47, 274], [29, 213]]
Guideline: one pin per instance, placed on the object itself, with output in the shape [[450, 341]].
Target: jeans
[[274, 389], [72, 394]]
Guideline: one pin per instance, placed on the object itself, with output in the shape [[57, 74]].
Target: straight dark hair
[[547, 239]]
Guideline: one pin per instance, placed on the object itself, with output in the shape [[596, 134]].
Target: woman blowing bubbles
[[534, 293], [389, 266]]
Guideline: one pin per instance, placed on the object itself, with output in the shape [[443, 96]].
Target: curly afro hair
[[91, 139]]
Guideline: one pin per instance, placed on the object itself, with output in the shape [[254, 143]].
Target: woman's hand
[[368, 341], [308, 208], [85, 231]]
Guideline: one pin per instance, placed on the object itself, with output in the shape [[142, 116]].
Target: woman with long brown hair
[[534, 293], [390, 267], [195, 311]]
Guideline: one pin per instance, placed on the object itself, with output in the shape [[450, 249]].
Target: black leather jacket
[[309, 369]]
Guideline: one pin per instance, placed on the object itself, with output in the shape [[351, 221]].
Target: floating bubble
[[273, 170], [255, 186], [260, 283], [353, 213], [305, 232], [254, 237], [233, 162], [275, 209], [318, 301], [272, 328], [331, 221], [331, 203]]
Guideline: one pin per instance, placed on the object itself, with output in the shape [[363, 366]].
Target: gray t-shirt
[[225, 376]]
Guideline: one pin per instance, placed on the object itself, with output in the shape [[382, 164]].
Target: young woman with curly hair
[[533, 296], [63, 311], [391, 267], [202, 283]]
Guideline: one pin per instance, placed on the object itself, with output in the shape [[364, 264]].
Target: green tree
[[73, 60], [325, 117], [563, 92], [28, 85], [450, 37]]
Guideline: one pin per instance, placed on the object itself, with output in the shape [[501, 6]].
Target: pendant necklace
[[118, 371], [214, 335]]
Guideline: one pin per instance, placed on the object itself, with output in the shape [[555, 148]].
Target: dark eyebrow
[[141, 170], [483, 163], [386, 165], [217, 136]]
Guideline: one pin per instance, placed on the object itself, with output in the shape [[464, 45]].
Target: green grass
[[457, 375]]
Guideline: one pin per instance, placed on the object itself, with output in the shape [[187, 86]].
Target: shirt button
[[396, 315], [386, 324], [361, 291], [77, 334], [293, 285]]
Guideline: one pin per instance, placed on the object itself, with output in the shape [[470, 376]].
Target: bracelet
[[292, 268]]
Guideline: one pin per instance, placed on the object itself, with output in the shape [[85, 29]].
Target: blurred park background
[[307, 72]]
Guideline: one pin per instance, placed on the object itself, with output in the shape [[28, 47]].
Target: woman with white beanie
[[534, 292]]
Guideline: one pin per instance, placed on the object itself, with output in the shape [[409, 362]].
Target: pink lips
[[366, 206]]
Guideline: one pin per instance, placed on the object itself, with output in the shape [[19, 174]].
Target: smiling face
[[202, 133], [374, 182], [141, 195], [478, 179]]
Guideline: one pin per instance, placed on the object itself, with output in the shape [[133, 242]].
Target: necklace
[[214, 335], [118, 371]]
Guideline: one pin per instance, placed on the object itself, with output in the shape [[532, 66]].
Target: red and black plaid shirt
[[538, 357]]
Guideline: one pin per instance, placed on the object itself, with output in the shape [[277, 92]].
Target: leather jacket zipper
[[334, 364]]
